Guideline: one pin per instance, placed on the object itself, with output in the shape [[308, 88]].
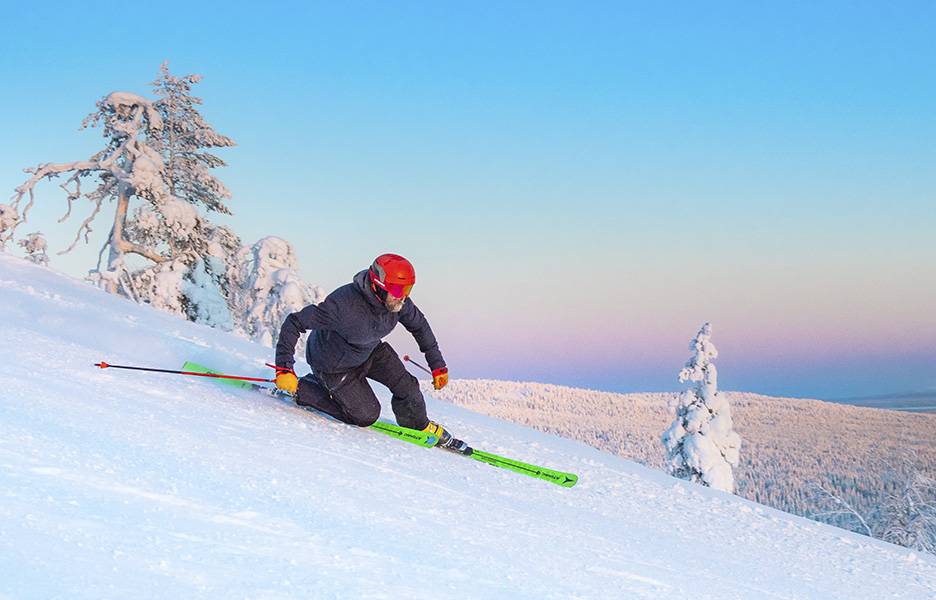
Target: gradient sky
[[581, 185]]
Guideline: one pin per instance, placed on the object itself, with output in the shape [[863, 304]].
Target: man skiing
[[345, 349]]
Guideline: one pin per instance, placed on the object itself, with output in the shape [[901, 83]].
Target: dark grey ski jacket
[[347, 326]]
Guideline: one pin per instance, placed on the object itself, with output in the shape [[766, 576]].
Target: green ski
[[191, 367], [557, 477], [420, 438]]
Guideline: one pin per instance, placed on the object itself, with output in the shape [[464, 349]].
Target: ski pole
[[408, 359], [104, 365]]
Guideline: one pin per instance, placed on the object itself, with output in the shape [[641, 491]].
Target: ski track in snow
[[139, 485]]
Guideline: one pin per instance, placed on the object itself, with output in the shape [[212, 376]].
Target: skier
[[345, 349]]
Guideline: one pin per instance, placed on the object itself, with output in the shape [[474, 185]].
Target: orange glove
[[440, 378], [287, 381]]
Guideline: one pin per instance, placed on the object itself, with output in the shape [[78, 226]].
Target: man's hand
[[287, 381], [440, 378]]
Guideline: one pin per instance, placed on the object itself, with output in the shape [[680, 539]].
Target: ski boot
[[447, 441]]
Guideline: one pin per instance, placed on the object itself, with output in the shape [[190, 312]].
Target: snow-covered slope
[[118, 484]]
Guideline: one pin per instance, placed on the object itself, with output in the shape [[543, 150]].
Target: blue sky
[[580, 185]]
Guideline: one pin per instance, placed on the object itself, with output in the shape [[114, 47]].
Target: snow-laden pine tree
[[150, 221], [156, 170], [268, 288], [701, 445], [202, 259], [183, 142]]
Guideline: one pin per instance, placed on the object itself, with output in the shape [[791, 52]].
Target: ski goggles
[[397, 290]]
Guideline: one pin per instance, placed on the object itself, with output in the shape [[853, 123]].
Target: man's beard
[[394, 305]]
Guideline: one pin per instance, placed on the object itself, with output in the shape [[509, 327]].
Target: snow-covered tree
[[701, 444], [156, 169], [209, 287], [268, 288], [9, 219], [126, 167], [183, 141], [906, 516], [35, 245], [153, 168], [206, 302]]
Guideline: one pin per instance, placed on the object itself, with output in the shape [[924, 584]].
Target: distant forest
[[787, 444]]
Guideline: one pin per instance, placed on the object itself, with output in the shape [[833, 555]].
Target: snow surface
[[119, 484]]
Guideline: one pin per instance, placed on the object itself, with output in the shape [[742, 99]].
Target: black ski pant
[[348, 397]]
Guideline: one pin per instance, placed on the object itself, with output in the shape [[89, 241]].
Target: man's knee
[[407, 386], [350, 398], [363, 415]]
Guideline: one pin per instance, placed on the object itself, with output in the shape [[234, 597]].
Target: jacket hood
[[363, 283]]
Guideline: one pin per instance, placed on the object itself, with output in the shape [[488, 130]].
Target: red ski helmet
[[393, 274]]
